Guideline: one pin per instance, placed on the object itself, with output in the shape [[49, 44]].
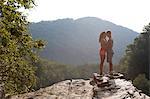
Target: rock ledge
[[99, 87]]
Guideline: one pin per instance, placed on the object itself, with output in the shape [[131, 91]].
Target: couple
[[106, 49]]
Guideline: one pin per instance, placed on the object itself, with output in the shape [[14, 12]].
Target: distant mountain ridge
[[76, 41]]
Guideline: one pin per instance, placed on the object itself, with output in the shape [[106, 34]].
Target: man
[[110, 51]]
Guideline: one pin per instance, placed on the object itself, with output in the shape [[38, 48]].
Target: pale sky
[[133, 14]]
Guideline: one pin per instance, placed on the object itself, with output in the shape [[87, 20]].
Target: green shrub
[[142, 83]]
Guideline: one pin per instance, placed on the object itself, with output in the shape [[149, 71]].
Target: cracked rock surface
[[69, 89], [99, 87]]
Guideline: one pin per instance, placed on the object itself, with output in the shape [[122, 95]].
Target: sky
[[133, 14]]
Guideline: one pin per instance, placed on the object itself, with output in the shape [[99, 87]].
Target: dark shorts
[[110, 54]]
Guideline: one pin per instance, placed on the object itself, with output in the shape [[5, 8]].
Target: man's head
[[109, 34]]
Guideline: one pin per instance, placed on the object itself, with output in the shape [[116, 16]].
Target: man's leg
[[101, 68], [101, 64], [110, 67], [109, 60]]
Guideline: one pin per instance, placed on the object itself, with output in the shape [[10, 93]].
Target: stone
[[116, 88]]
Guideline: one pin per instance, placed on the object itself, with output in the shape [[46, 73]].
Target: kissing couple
[[106, 49]]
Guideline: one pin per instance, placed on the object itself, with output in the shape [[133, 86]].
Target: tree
[[135, 63], [50, 72], [17, 53], [136, 59]]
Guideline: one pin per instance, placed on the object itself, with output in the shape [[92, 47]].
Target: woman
[[103, 43]]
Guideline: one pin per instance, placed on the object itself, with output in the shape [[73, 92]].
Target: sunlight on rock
[[98, 87]]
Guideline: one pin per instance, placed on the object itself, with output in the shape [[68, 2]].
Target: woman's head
[[102, 36]]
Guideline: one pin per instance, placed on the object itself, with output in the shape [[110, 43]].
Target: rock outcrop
[[69, 89], [98, 87], [115, 87]]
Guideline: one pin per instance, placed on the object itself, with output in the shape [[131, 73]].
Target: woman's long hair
[[101, 36]]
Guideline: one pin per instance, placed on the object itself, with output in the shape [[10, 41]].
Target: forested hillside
[[135, 63]]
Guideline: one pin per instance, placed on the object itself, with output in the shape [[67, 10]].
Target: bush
[[142, 83]]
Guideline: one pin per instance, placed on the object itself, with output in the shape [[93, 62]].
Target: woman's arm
[[104, 44]]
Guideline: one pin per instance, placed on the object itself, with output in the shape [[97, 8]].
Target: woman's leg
[[101, 63]]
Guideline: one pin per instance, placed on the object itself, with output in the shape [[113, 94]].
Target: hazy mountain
[[76, 41]]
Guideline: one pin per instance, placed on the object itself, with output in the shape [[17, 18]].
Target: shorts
[[110, 54]]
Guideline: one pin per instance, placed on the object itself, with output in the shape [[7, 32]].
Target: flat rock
[[75, 89], [98, 87]]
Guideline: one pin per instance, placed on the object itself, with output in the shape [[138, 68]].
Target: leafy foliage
[[17, 72], [136, 60], [49, 72], [142, 83]]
